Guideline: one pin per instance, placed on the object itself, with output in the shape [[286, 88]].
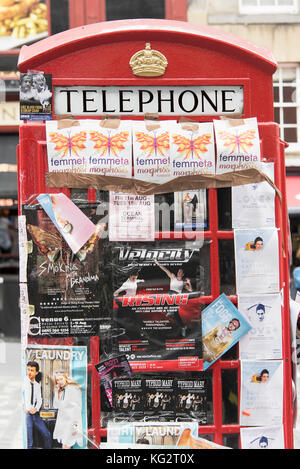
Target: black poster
[[69, 293]]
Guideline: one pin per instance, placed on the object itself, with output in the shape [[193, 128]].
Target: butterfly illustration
[[238, 142], [153, 145], [192, 147], [68, 145], [107, 144], [48, 244]]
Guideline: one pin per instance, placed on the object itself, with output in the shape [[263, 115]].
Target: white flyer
[[238, 145], [256, 261], [264, 340], [192, 149], [261, 393], [131, 217], [151, 151], [22, 248], [85, 146], [253, 205], [262, 438]]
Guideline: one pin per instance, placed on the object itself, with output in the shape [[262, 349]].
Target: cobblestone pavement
[[11, 405]]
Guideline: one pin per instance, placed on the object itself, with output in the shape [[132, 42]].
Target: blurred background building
[[271, 23]]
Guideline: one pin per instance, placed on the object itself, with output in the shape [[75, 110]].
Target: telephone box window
[[130, 9], [256, 7], [230, 399]]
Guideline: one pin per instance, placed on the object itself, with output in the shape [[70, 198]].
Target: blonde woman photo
[[67, 400]]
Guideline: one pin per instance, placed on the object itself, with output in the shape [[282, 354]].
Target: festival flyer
[[151, 151], [75, 227], [159, 399], [131, 217], [256, 261], [68, 294], [191, 399], [238, 144], [192, 149], [115, 367], [190, 210], [222, 327], [262, 438], [253, 205], [88, 146], [264, 341], [36, 96], [150, 433], [261, 401], [128, 399], [55, 397]]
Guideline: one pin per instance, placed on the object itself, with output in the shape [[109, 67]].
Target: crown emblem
[[148, 63]]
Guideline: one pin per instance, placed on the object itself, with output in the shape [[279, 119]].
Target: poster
[[74, 226], [190, 210], [149, 433], [262, 438], [261, 393], [55, 397], [256, 261], [151, 151], [35, 96], [222, 327], [191, 399], [264, 341], [115, 367], [192, 149], [253, 205], [160, 399], [87, 146], [237, 143], [128, 398], [131, 217], [68, 294]]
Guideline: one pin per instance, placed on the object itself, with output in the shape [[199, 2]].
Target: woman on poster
[[67, 399]]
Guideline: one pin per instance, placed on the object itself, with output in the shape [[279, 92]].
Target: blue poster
[[222, 327]]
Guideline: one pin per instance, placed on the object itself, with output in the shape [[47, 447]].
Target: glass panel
[[289, 94], [59, 16], [231, 441], [285, 2], [227, 266], [224, 208], [288, 74], [249, 2], [267, 2], [231, 354], [125, 9], [291, 135], [230, 402], [276, 94], [290, 115], [277, 115]]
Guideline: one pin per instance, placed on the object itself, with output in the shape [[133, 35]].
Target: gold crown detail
[[148, 63]]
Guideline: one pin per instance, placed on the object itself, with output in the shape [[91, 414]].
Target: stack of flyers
[[128, 399], [222, 327]]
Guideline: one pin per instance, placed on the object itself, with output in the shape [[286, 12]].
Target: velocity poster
[[55, 397]]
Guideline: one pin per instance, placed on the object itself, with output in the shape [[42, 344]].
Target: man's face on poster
[[31, 372]]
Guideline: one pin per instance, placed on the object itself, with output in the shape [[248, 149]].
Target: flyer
[[158, 327], [174, 267], [150, 433], [191, 399], [264, 340], [68, 294], [222, 327], [35, 96], [75, 227], [190, 210], [253, 205], [262, 438], [160, 399], [256, 261], [151, 151], [88, 146], [131, 217], [238, 144], [55, 397], [192, 149], [128, 399], [114, 367], [261, 401]]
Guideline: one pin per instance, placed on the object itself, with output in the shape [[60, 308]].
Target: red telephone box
[[86, 63]]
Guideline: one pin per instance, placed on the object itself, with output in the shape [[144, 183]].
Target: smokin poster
[[55, 397], [68, 293]]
